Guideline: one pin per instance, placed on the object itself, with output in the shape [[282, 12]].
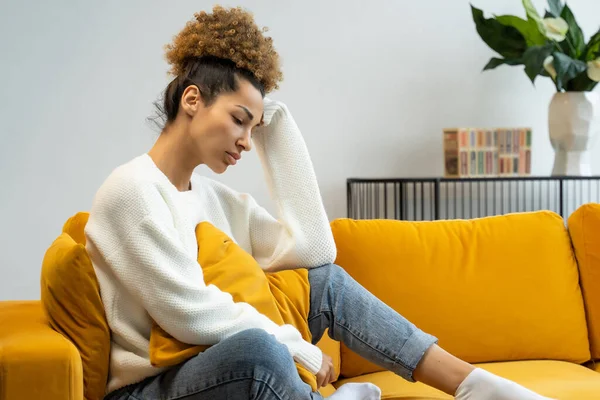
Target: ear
[[191, 100]]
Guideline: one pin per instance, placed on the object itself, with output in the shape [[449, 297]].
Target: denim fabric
[[364, 323], [253, 365]]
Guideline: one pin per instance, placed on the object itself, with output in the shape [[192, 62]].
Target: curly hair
[[213, 52], [230, 34]]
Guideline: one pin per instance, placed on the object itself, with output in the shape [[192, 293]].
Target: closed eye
[[237, 120]]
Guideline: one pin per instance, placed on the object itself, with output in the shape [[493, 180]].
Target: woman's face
[[221, 132]]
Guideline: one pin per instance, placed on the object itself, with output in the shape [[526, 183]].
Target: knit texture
[[141, 240]]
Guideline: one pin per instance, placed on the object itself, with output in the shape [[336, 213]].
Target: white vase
[[574, 122]]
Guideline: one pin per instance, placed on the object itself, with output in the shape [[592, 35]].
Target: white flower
[[555, 28], [594, 70], [549, 66]]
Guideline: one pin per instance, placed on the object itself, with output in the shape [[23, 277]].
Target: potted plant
[[553, 46]]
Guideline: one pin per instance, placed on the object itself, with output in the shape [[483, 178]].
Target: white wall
[[371, 84]]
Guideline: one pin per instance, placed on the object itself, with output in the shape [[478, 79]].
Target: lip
[[233, 158]]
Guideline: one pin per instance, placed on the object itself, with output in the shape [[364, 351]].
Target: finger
[[331, 376], [320, 378]]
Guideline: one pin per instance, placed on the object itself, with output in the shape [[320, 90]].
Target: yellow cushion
[[327, 391], [584, 227], [75, 227], [493, 289], [593, 365], [555, 379], [36, 362], [284, 296], [71, 299]]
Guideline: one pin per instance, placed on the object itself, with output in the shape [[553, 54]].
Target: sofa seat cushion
[[555, 379]]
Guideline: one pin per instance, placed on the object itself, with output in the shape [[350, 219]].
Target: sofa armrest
[[584, 228], [36, 362]]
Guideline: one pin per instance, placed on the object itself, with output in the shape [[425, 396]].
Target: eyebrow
[[247, 112]]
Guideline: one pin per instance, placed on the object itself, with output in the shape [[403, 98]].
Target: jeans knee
[[255, 336], [328, 273], [271, 365], [262, 350]]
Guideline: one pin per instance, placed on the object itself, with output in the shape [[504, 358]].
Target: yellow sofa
[[518, 295]]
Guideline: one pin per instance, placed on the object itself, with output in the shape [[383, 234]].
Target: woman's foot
[[443, 371], [483, 385], [356, 391]]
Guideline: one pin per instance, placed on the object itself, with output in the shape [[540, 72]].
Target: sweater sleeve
[[301, 237], [150, 261]]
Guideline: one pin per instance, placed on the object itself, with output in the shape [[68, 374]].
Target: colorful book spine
[[502, 153], [496, 169], [526, 150], [463, 140]]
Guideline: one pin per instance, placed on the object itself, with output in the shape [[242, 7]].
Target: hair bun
[[228, 33]]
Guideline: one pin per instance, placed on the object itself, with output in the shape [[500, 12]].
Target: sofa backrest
[[492, 289], [584, 227]]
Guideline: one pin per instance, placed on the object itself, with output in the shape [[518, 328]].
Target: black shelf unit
[[422, 199]]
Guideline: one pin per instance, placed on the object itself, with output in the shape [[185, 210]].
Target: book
[[451, 154]]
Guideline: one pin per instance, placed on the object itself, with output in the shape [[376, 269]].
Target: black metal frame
[[433, 198]]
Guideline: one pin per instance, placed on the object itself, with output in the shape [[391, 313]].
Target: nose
[[245, 141]]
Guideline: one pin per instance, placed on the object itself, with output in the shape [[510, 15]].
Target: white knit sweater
[[141, 239]]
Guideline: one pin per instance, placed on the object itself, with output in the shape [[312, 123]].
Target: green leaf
[[566, 69], [575, 34], [532, 12], [581, 83], [505, 40], [496, 62], [592, 50], [556, 7], [534, 58], [529, 29]]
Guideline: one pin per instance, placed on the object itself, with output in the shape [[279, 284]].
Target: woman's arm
[[302, 237], [149, 260]]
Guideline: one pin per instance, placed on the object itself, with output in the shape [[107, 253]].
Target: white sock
[[483, 385], [356, 391]]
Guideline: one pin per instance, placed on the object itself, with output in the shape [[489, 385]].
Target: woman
[[142, 243]]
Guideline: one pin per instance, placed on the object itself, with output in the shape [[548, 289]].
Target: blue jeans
[[253, 365]]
